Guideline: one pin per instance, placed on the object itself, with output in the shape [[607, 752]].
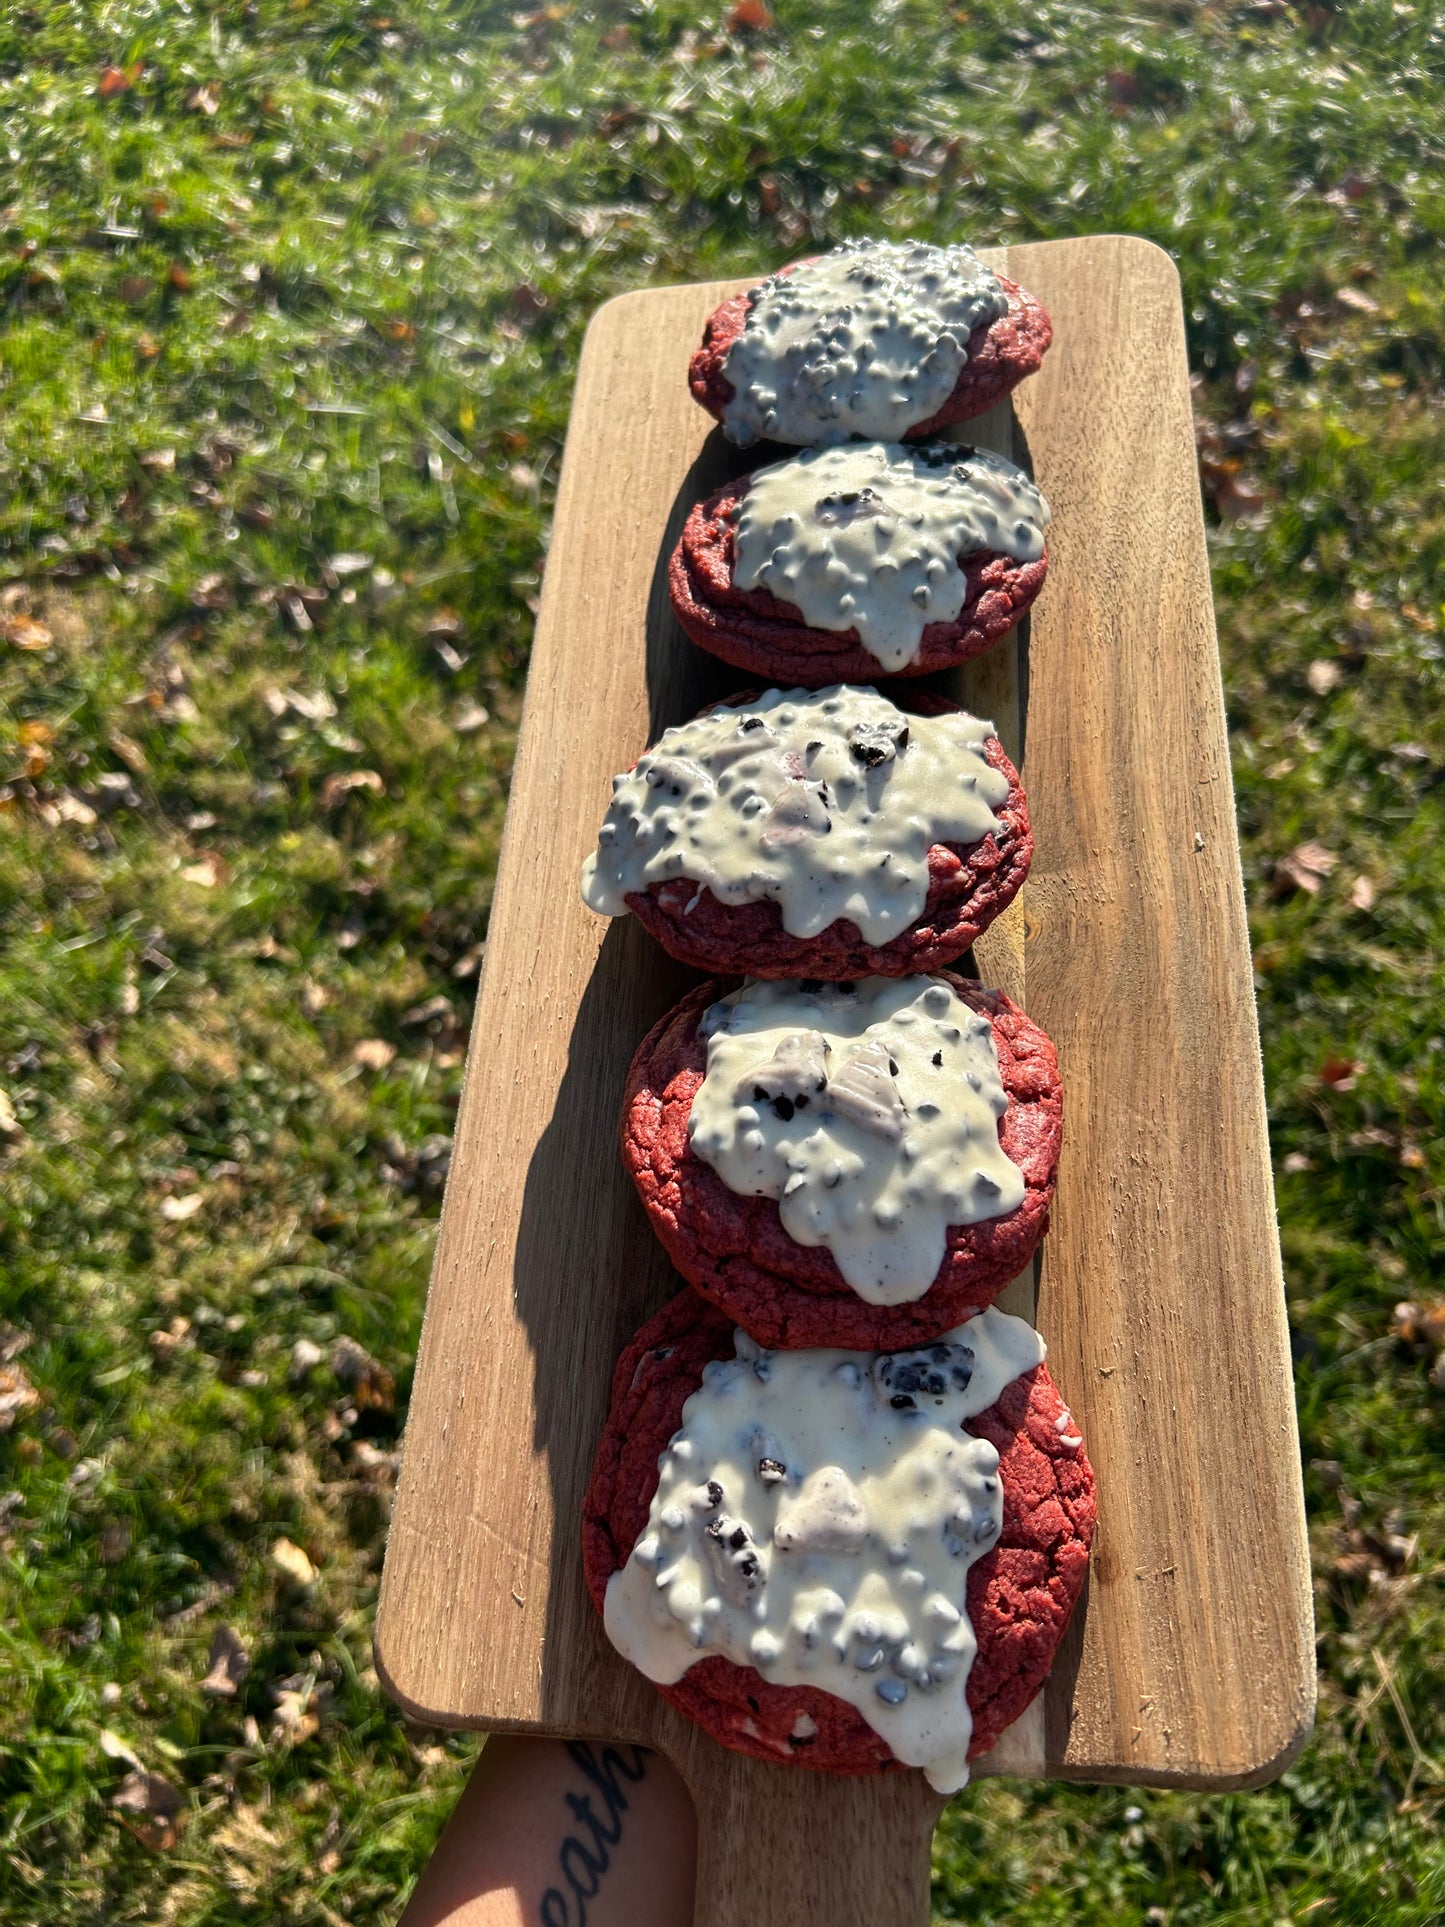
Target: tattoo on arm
[[585, 1855]]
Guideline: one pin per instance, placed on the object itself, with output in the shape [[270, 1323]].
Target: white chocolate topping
[[866, 341], [826, 802], [816, 1516], [870, 1111], [868, 536]]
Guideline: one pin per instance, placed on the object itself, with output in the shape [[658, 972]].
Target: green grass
[[291, 303]]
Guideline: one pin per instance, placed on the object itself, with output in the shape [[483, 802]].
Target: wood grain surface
[[1190, 1661]]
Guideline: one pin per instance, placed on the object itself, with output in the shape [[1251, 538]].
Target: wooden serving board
[[1190, 1660]]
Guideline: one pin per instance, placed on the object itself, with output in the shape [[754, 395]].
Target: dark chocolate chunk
[[874, 744], [931, 1371]]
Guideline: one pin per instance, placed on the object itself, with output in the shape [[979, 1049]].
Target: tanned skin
[[563, 1833]]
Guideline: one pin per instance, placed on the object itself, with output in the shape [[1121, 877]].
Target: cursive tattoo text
[[585, 1855]]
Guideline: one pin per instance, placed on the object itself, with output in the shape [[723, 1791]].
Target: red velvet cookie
[[787, 1295], [1000, 354], [1020, 1594], [968, 885], [755, 631]]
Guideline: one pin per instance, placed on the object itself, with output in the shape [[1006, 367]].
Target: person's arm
[[563, 1833]]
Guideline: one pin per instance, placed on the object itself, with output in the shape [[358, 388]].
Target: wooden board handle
[[777, 1847]]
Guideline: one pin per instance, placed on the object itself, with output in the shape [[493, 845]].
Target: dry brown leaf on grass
[[1357, 299], [373, 1053], [1340, 1073], [115, 1542], [1362, 894], [294, 1565], [305, 1357], [115, 1748], [1360, 1563], [749, 16], [176, 1335], [371, 1385], [154, 1808], [211, 593], [10, 1125], [64, 807], [312, 997], [17, 1394], [1423, 1326], [426, 1168], [341, 783], [35, 740], [1378, 1554], [302, 1703], [293, 1722], [1323, 676], [207, 871], [118, 80], [1315, 857], [373, 1465], [1420, 1324], [1305, 868], [434, 1007], [447, 624], [129, 751], [177, 1210], [529, 300], [230, 1663], [24, 632], [1239, 499], [316, 707]]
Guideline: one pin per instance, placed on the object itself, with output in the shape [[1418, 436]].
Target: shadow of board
[[621, 1276]]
